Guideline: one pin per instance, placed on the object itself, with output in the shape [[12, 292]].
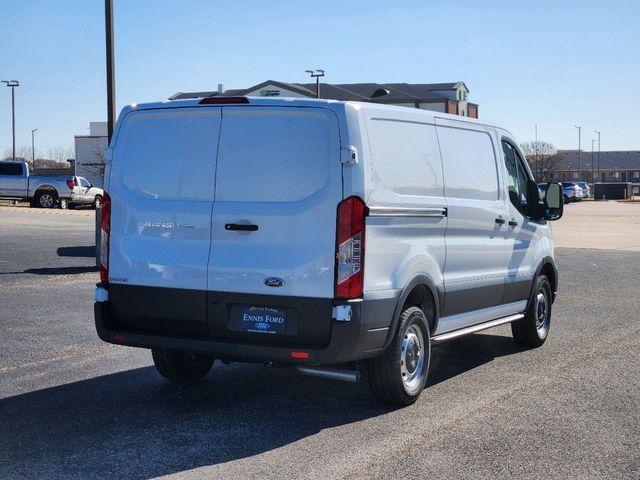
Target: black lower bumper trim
[[349, 341]]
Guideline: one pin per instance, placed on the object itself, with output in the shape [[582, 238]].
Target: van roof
[[307, 102]]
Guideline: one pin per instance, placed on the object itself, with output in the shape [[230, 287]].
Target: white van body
[[217, 206]]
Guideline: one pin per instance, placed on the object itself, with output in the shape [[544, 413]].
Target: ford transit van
[[335, 237]]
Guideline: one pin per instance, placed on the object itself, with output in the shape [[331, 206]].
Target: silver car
[[83, 193]]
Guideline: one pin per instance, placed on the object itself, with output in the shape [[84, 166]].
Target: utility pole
[[592, 163], [111, 81], [13, 84], [33, 148], [579, 147], [595, 131], [537, 150], [316, 74]]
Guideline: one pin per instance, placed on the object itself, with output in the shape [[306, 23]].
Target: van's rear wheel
[[399, 375], [181, 367], [533, 329]]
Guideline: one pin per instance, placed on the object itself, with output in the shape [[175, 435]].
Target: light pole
[[592, 162], [595, 131], [111, 69], [316, 74], [33, 148], [579, 147], [13, 84]]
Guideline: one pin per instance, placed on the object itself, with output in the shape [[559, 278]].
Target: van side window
[[516, 177], [469, 160], [406, 157]]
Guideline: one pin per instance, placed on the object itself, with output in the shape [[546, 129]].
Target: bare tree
[[541, 157], [60, 155]]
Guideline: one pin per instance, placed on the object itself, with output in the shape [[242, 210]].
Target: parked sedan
[[83, 194], [586, 189], [572, 192]]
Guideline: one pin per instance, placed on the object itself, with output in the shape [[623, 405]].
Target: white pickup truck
[[40, 190]]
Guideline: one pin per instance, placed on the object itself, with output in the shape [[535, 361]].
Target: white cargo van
[[332, 236]]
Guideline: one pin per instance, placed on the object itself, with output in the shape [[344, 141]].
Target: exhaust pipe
[[331, 373]]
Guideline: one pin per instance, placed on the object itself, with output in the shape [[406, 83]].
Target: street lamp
[[595, 131], [33, 148], [111, 69], [579, 146], [316, 74], [13, 84], [593, 164]]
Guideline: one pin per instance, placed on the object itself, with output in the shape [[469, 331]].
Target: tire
[[181, 367], [398, 376], [97, 202], [46, 199], [63, 204], [566, 200], [532, 331]]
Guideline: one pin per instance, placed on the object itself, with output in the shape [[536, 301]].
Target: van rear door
[[162, 189], [278, 184]]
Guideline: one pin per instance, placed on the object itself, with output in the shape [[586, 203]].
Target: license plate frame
[[258, 319]]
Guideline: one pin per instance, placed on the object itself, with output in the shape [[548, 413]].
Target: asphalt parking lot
[[74, 407]]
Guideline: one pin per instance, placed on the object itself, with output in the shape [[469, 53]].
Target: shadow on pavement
[[133, 424], [84, 251], [54, 271], [466, 353]]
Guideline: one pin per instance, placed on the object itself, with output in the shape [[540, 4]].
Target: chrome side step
[[331, 373], [443, 337]]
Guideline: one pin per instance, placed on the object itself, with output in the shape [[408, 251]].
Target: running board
[[331, 373], [443, 337]]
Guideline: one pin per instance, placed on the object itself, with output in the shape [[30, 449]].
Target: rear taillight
[[350, 248], [105, 230], [71, 183]]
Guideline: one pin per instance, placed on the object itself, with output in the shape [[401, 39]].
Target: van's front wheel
[[399, 375], [181, 367], [533, 329]]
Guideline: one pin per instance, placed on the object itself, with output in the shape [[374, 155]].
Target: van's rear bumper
[[361, 337]]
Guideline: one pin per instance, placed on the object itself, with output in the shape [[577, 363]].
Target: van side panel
[[476, 262], [407, 221]]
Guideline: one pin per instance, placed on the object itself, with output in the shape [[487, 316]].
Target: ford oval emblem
[[262, 326], [274, 282]]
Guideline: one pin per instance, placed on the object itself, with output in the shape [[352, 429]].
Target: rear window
[[169, 154], [10, 169], [275, 154]]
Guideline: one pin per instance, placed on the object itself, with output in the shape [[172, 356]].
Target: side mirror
[[553, 201]]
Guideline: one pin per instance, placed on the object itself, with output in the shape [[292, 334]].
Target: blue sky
[[554, 63]]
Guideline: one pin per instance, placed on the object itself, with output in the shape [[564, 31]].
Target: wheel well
[[46, 188], [422, 297], [550, 273]]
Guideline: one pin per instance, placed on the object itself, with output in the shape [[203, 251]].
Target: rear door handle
[[513, 223], [241, 227], [500, 221]]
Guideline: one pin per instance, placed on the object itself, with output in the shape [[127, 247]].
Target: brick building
[[440, 97], [614, 166]]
